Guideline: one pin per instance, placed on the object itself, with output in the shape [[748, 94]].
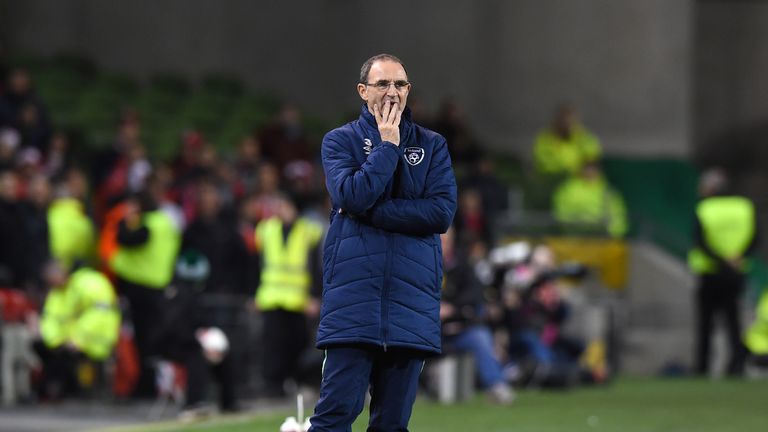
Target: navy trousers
[[393, 378]]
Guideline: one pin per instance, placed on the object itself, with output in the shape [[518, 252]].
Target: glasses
[[384, 85]]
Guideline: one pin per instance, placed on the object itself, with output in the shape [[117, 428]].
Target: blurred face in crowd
[[129, 133], [287, 211], [250, 209], [208, 156], [19, 82], [39, 191], [77, 184], [59, 143], [55, 276], [249, 150], [8, 186], [209, 201], [374, 93], [471, 201], [29, 115], [290, 116], [269, 178]]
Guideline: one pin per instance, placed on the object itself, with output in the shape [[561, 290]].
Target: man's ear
[[362, 90]]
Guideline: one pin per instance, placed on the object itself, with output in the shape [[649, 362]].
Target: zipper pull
[[385, 347]]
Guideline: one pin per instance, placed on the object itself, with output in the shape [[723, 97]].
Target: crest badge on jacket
[[414, 155]]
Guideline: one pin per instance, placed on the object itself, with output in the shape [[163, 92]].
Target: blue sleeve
[[432, 214], [353, 187]]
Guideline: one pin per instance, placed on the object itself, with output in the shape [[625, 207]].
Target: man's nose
[[391, 90]]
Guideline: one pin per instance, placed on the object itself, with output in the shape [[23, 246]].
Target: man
[[725, 234], [566, 146], [179, 338], [393, 192], [462, 311], [288, 248], [587, 204], [81, 318], [148, 244]]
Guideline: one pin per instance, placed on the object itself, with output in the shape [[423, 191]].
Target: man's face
[[385, 71]]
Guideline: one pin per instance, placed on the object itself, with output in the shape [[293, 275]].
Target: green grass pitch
[[627, 405]]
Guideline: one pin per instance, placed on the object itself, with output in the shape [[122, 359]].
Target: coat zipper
[[385, 294]]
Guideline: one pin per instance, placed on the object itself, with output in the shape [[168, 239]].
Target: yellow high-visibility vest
[[84, 312], [756, 338], [150, 264], [56, 318], [728, 226], [556, 155], [285, 277], [70, 231]]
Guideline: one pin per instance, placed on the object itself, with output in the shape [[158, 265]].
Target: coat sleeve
[[353, 187], [432, 214]]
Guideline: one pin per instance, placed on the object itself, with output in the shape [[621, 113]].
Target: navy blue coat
[[382, 256]]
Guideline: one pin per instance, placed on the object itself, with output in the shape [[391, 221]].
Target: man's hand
[[389, 122]]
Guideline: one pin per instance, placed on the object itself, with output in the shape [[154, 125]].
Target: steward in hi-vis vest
[[148, 244], [81, 317], [725, 234], [288, 291]]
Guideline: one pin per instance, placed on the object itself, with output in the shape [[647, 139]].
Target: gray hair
[[366, 68]]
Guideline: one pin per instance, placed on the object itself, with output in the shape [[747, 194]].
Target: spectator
[[178, 337], [284, 140], [35, 131], [566, 146], [462, 312], [9, 144], [58, 157], [28, 165], [536, 320], [80, 320], [214, 234], [35, 210], [19, 95], [159, 184], [267, 200], [471, 221], [128, 174], [186, 165], [13, 245], [127, 136], [452, 124], [247, 222], [288, 291], [302, 184], [492, 191], [247, 163], [587, 204]]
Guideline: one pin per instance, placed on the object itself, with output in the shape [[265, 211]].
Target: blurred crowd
[[122, 272]]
